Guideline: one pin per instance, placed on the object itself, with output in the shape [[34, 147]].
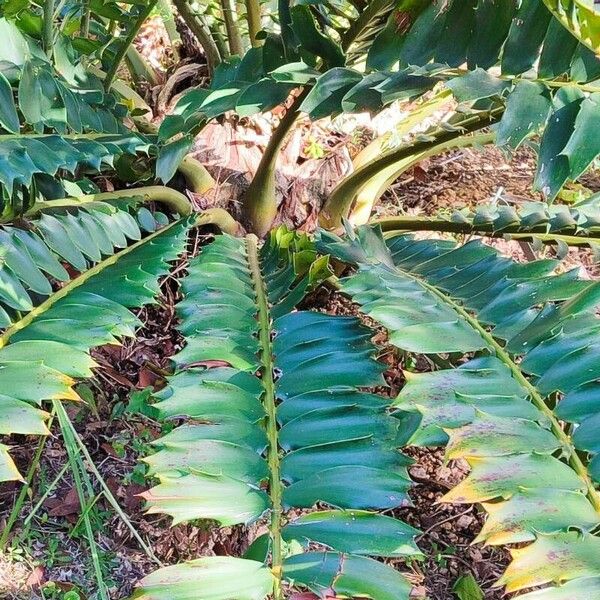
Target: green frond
[[25, 157], [56, 119], [45, 350], [78, 236], [534, 337], [57, 95], [264, 77], [543, 80], [277, 420], [519, 40], [483, 33], [580, 18], [577, 225]]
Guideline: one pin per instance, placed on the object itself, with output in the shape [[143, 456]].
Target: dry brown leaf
[[37, 578], [69, 505]]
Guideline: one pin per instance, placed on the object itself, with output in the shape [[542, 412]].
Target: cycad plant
[[532, 333], [533, 336], [530, 75], [300, 432], [283, 419]]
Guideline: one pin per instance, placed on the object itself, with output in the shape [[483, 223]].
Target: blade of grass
[[76, 469], [18, 505], [45, 495], [108, 494], [85, 512]]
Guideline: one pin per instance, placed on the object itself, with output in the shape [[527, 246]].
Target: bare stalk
[[233, 33], [197, 178], [84, 29], [367, 196], [338, 205], [175, 200], [48, 27], [254, 21], [139, 68], [260, 201], [201, 31], [220, 218], [166, 14], [122, 51]]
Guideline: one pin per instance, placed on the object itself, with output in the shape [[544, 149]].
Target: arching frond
[[534, 337], [558, 224], [45, 349], [281, 423], [25, 157]]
